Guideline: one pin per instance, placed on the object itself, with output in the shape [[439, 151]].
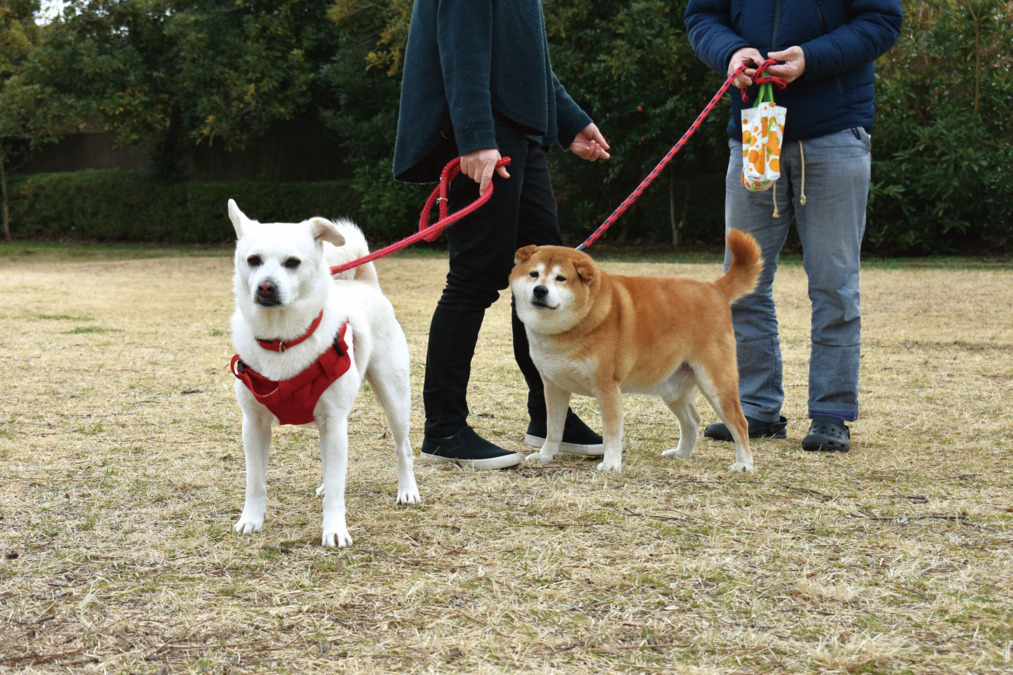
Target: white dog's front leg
[[256, 443], [610, 398], [557, 401], [334, 455]]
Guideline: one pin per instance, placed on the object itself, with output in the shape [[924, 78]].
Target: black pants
[[522, 211]]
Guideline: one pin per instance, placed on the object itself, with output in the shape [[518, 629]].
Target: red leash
[[427, 231], [678, 146], [430, 232]]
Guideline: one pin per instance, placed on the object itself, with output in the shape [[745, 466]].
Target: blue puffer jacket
[[840, 39]]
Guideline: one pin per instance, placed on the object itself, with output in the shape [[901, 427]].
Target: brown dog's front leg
[[557, 400], [610, 398]]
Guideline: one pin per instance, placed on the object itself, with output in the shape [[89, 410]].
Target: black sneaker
[[469, 449], [828, 434], [577, 436], [757, 429]]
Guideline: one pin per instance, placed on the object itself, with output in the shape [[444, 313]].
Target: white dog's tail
[[355, 247]]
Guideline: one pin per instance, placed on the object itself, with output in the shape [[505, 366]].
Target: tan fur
[[611, 333]]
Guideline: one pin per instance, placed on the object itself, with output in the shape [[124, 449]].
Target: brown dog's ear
[[586, 270], [523, 254]]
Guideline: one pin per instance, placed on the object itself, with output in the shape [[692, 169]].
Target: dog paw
[[248, 525], [336, 539], [408, 497], [740, 467], [679, 452], [539, 458], [610, 466]]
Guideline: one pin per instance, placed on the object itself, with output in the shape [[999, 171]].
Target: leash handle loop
[[427, 231], [439, 196]]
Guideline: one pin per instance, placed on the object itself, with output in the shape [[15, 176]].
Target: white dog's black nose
[[540, 291], [267, 294]]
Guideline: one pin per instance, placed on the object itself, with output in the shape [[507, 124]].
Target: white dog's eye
[[292, 263], [254, 261]]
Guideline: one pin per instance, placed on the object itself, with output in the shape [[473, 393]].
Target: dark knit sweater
[[465, 61]]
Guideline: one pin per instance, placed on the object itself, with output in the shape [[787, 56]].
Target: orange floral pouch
[[762, 133]]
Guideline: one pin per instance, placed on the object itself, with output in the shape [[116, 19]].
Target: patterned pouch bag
[[762, 132]]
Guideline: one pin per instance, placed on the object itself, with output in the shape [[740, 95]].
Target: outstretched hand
[[589, 144]]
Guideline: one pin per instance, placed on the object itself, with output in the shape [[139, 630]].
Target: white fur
[[378, 345]]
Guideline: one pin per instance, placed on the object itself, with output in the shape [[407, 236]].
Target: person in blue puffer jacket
[[478, 85], [825, 52]]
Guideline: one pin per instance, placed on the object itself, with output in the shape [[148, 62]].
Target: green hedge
[[117, 205]]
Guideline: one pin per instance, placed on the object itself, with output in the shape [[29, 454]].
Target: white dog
[[295, 329]]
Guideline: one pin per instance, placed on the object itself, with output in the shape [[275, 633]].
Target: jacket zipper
[[777, 20]]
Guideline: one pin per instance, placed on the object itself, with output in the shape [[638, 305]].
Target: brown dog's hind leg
[[689, 424], [721, 389]]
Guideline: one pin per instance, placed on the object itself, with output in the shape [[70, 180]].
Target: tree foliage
[[944, 137], [28, 117], [173, 73], [178, 71]]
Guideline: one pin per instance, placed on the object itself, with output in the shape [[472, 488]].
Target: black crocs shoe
[[828, 434], [578, 438], [757, 429], [469, 449]]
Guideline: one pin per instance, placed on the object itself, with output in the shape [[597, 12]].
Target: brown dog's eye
[[292, 263], [254, 261], [561, 279], [533, 275]]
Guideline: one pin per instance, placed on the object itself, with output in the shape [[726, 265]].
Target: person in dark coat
[[478, 84], [825, 52]]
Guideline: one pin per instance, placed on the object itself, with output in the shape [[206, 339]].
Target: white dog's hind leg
[[557, 400], [388, 376], [256, 443], [689, 425], [334, 455]]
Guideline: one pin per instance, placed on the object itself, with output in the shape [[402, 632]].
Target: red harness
[[292, 401]]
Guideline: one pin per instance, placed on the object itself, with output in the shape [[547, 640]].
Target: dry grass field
[[121, 474]]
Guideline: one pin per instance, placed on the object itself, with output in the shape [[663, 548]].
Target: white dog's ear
[[237, 217], [325, 230]]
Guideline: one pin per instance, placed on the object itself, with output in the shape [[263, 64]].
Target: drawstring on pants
[[801, 153], [801, 199]]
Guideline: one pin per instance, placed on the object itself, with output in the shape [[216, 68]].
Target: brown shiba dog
[[599, 334]]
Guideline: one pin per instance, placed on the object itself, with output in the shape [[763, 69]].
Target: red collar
[[282, 345]]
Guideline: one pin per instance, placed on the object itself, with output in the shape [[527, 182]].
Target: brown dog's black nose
[[540, 292]]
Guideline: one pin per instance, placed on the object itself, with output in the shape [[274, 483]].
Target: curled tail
[[355, 247], [740, 279]]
